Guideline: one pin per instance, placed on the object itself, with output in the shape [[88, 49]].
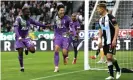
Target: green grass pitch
[[39, 66]]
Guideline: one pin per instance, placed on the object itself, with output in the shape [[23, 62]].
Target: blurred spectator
[[43, 11], [132, 14], [91, 7], [132, 21], [38, 12], [69, 8]]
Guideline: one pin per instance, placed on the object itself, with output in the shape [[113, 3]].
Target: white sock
[[22, 67]]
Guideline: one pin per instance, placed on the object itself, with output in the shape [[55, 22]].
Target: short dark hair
[[103, 5], [60, 6]]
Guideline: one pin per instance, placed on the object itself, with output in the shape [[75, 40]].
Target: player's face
[[61, 12], [100, 10], [73, 17], [27, 13]]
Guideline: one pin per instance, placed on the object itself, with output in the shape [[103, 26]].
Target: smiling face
[[61, 12], [26, 12]]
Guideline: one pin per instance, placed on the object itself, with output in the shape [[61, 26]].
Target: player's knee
[[20, 51], [109, 58], [75, 47], [56, 49], [65, 51]]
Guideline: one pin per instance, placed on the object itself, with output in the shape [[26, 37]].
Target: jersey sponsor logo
[[104, 28], [24, 24], [110, 50], [24, 28]]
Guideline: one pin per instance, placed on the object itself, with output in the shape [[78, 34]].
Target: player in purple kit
[[21, 28], [61, 33], [74, 38]]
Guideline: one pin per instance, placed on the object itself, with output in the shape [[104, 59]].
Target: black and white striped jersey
[[107, 26]]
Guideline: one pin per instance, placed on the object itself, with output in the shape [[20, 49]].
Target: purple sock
[[20, 57], [56, 58]]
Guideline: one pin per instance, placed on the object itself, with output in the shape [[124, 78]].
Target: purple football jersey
[[74, 26], [22, 26], [61, 26]]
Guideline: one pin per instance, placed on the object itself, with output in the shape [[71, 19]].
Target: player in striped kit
[[109, 31]]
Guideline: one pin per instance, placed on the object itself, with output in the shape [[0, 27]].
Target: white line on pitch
[[57, 75]]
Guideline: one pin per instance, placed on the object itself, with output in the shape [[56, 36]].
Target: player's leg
[[70, 42], [26, 51], [109, 57], [57, 43], [56, 58], [75, 45], [115, 63], [101, 56], [65, 56], [29, 44], [110, 65], [65, 47], [101, 53], [96, 55], [19, 47], [97, 52], [20, 57]]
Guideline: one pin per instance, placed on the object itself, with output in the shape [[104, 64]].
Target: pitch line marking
[[40, 78]]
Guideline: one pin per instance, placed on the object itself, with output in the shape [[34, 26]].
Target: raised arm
[[36, 23]]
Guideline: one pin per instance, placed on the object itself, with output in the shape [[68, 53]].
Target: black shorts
[[75, 43], [108, 49]]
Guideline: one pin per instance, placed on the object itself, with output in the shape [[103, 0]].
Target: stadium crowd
[[43, 11]]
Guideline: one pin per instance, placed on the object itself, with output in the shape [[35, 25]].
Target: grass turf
[[39, 66]]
